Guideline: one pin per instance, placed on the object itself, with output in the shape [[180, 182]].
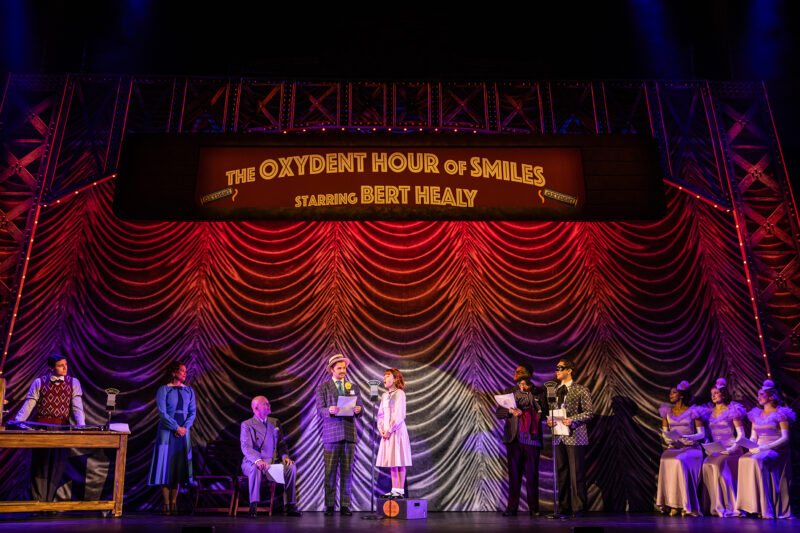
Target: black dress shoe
[[329, 511], [389, 496], [253, 510], [537, 513], [345, 511], [292, 510], [510, 512]]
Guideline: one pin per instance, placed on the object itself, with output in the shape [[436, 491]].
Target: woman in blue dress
[[172, 456]]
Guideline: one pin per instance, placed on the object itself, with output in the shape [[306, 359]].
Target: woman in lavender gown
[[720, 468], [765, 472], [679, 470]]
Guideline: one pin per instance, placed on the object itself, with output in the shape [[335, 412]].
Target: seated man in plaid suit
[[262, 444], [338, 434]]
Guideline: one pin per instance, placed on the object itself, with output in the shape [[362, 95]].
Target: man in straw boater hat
[[339, 434]]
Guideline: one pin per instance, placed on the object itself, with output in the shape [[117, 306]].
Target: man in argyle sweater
[[54, 396]]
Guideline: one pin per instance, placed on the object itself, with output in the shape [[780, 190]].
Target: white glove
[[694, 437]]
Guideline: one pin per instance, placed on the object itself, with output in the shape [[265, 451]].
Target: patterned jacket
[[579, 409], [262, 441], [335, 428]]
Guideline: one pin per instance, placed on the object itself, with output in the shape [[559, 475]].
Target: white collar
[[343, 380], [568, 384], [57, 378], [264, 421]]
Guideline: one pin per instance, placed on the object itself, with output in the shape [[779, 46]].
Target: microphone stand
[[552, 402], [375, 398]]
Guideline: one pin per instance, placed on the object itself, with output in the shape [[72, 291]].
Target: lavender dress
[[679, 470], [719, 470], [764, 478]]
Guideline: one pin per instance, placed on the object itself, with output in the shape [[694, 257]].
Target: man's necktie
[[562, 393], [339, 386]]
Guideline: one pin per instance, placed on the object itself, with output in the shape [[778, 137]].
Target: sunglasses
[[560, 368]]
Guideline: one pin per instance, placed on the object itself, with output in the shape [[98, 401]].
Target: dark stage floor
[[436, 522]]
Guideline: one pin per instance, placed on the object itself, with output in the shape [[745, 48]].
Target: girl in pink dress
[[679, 470], [395, 449], [720, 469], [765, 472]]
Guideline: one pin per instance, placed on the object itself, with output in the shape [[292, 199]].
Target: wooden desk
[[70, 439]]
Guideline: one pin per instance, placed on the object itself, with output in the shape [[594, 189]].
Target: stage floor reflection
[[435, 523]]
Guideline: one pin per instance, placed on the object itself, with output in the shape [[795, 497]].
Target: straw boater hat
[[338, 358]]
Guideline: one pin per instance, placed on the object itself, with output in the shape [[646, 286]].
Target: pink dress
[[764, 477], [396, 450], [679, 469], [720, 470]]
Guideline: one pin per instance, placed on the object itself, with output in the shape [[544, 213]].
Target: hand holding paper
[[275, 471], [714, 447], [506, 400], [346, 405], [747, 443], [558, 416]]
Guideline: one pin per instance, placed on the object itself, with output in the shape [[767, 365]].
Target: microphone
[[111, 398], [373, 388], [111, 403], [551, 392]]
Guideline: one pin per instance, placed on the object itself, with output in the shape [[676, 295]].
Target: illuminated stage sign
[[420, 177], [367, 182]]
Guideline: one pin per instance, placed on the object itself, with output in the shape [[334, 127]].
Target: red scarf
[[529, 422]]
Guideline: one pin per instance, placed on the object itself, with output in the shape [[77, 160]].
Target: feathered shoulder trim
[[694, 411], [781, 414], [734, 410]]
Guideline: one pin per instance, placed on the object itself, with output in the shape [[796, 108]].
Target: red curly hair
[[399, 382]]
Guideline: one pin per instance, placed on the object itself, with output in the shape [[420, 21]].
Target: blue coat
[[172, 456]]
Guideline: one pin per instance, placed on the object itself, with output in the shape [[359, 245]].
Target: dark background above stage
[[634, 39]]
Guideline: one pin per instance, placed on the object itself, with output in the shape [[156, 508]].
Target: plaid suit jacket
[[335, 428], [580, 410]]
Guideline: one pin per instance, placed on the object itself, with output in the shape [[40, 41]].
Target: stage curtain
[[257, 308]]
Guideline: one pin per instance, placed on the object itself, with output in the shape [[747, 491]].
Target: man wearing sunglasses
[[570, 450]]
